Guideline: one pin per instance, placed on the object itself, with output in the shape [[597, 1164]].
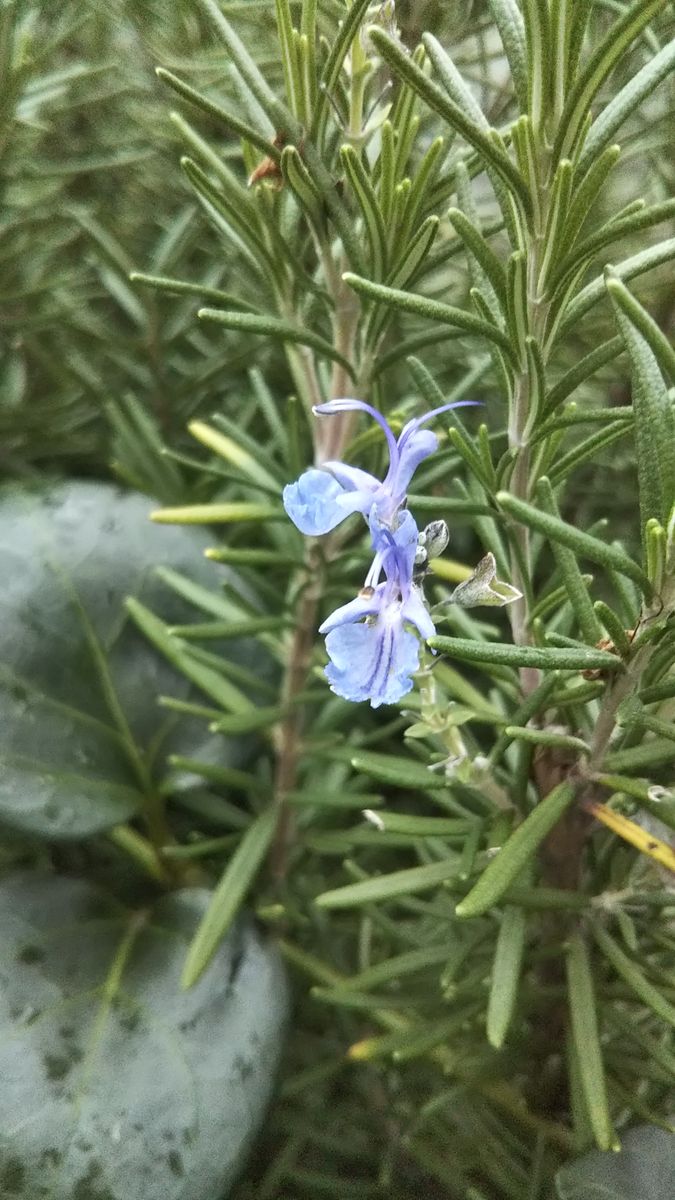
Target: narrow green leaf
[[544, 737], [298, 178], [407, 266], [277, 112], [216, 514], [506, 974], [346, 33], [544, 657], [320, 798], [396, 57], [183, 287], [482, 252], [647, 757], [211, 682], [612, 47], [289, 62], [625, 104], [572, 579], [582, 370], [584, 544], [645, 260], [239, 127], [509, 21], [589, 448], [370, 209], [389, 887], [227, 630], [654, 428], [645, 325], [226, 900], [535, 703], [247, 722], [394, 769], [433, 310], [576, 36], [586, 1037], [631, 974], [559, 204], [459, 92], [517, 302], [233, 453], [240, 221], [408, 963], [516, 852], [391, 822], [418, 199], [613, 231], [537, 21], [614, 627], [586, 192], [276, 328]]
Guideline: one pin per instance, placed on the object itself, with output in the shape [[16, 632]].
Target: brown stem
[[332, 435], [290, 729]]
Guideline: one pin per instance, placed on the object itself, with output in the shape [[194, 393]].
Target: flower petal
[[396, 545], [362, 606], [414, 445], [352, 479], [316, 502], [415, 611], [373, 661]]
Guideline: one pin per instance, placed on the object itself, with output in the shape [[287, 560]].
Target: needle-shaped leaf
[[229, 895], [586, 1036], [509, 21], [389, 887], [583, 543], [507, 655], [506, 974], [273, 327], [625, 103], [433, 310], [632, 974], [370, 209], [492, 154], [654, 424], [609, 51], [208, 106], [516, 852]]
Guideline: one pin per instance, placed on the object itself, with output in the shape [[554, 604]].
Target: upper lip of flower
[[406, 452]]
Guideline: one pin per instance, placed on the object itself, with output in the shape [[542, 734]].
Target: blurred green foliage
[[100, 370]]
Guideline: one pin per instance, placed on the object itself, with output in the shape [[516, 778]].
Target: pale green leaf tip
[[188, 977]]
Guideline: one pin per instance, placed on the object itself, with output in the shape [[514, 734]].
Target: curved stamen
[[331, 407], [417, 422]]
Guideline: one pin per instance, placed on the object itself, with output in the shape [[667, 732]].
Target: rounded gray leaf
[[70, 554], [118, 1085]]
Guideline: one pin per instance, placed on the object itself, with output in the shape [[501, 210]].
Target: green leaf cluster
[[473, 891]]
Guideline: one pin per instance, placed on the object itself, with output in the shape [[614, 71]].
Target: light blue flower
[[322, 497], [373, 642], [372, 647]]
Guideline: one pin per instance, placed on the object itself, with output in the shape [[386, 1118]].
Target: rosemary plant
[[473, 886]]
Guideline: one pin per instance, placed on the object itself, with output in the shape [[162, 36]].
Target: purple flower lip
[[323, 497], [405, 453]]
